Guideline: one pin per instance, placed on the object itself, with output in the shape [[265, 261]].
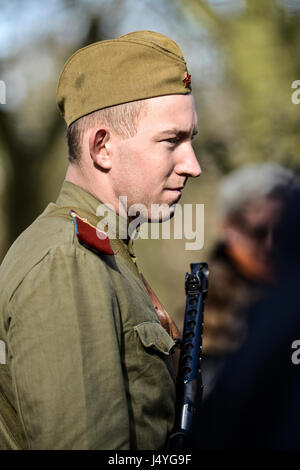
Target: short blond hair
[[122, 119]]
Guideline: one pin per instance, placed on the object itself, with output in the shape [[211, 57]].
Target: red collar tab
[[90, 236], [187, 80]]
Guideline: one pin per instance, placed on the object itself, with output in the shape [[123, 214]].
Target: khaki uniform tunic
[[88, 364]]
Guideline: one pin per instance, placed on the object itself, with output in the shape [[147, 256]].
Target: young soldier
[[88, 362]]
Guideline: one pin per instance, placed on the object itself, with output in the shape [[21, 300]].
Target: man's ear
[[98, 147]]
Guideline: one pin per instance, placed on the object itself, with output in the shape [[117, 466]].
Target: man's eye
[[172, 141]]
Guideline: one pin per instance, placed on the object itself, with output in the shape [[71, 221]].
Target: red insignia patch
[[91, 236], [187, 79]]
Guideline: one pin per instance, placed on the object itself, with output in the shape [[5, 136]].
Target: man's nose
[[188, 164]]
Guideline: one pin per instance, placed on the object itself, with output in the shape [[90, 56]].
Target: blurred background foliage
[[244, 56]]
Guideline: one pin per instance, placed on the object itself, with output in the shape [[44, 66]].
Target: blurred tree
[[260, 45], [28, 134]]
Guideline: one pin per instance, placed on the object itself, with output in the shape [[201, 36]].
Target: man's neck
[[100, 190]]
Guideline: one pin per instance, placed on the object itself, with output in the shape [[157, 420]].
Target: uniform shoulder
[[54, 235], [41, 238]]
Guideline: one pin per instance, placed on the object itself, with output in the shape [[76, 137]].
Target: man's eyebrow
[[178, 132]]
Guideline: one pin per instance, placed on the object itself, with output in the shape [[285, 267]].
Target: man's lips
[[180, 188], [176, 192]]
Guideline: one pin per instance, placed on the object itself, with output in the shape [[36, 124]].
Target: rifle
[[189, 379]]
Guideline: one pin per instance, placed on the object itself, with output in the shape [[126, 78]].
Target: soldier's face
[[152, 167]]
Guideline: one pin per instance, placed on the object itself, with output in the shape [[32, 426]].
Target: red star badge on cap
[[187, 79]]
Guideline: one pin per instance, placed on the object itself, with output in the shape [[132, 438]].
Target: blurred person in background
[[243, 262], [255, 402]]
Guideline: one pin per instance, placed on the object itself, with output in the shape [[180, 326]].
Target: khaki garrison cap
[[139, 65]]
